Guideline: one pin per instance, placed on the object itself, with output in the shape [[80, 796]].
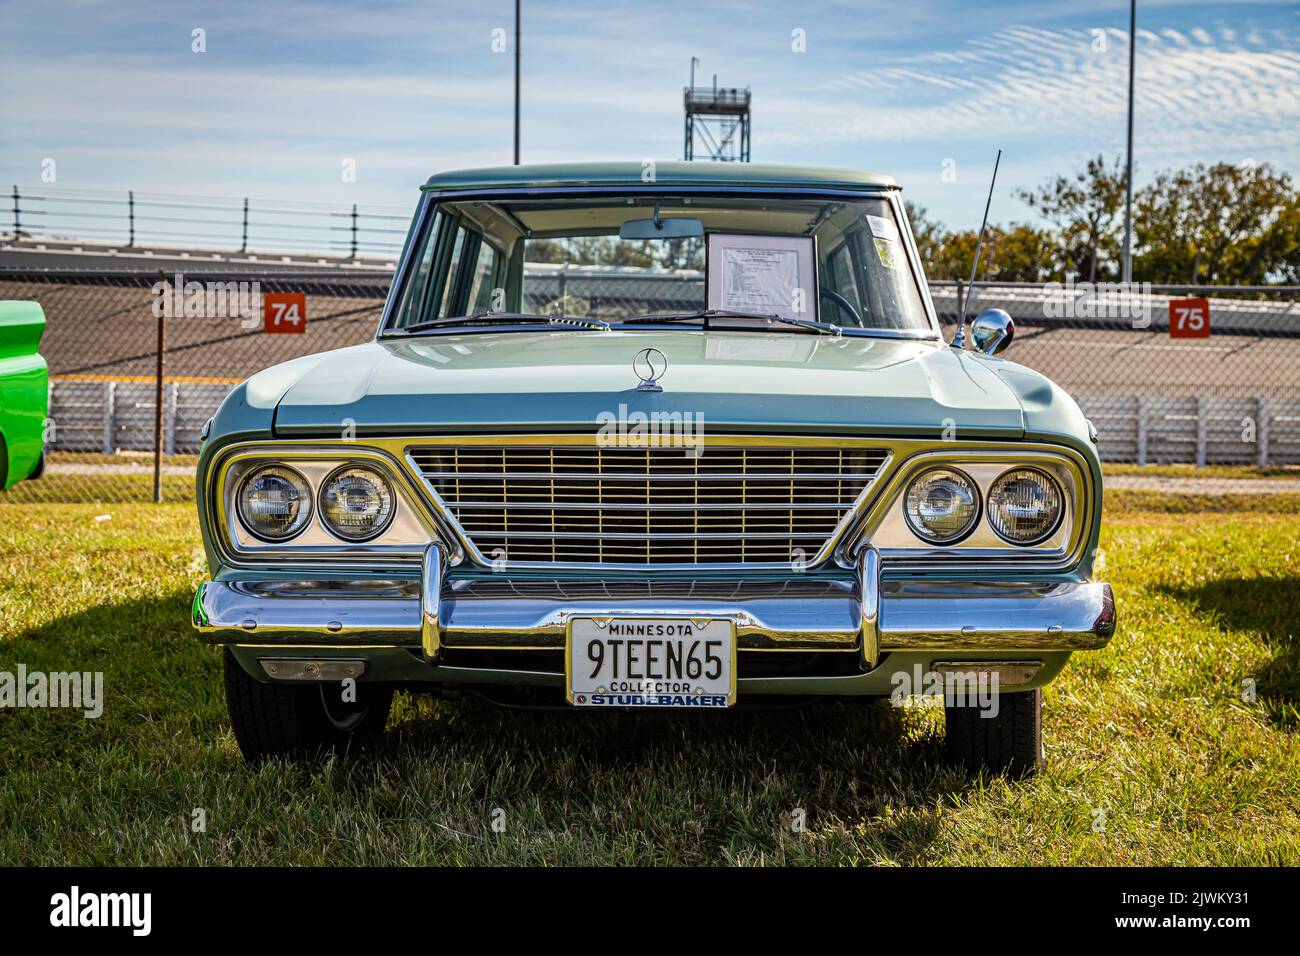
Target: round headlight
[[943, 506], [274, 502], [356, 503], [1025, 506]]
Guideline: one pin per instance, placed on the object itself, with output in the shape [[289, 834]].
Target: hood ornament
[[650, 365]]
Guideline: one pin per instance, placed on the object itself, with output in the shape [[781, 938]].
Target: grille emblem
[[650, 365]]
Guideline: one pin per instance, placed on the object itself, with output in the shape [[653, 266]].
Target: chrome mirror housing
[[992, 331]]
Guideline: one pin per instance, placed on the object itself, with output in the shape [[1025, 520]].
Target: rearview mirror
[[675, 228]]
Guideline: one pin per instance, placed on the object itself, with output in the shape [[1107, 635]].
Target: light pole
[[1128, 176], [517, 41]]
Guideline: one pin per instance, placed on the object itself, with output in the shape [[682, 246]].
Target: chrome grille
[[743, 504]]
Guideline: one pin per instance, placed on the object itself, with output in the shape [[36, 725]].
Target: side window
[[447, 300], [840, 277], [417, 287], [484, 278]]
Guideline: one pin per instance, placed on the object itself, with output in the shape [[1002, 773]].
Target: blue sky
[[286, 91]]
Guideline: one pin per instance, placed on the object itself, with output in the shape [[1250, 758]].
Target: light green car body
[[556, 382], [24, 391]]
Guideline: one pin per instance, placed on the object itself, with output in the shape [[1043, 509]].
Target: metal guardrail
[[1197, 430], [1272, 310], [107, 417], [238, 224]]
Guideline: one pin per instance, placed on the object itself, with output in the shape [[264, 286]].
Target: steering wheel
[[842, 302]]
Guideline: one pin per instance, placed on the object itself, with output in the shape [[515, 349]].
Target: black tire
[[1010, 742], [296, 720]]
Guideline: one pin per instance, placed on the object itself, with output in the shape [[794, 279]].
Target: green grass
[[1127, 502], [101, 488], [1152, 731]]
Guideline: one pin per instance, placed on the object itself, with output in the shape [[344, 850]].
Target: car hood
[[564, 380]]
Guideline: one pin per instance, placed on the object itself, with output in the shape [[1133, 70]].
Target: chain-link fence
[[1196, 375], [105, 438], [1159, 389]]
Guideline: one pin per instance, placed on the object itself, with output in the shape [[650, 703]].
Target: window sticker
[[889, 258], [884, 236], [883, 228]]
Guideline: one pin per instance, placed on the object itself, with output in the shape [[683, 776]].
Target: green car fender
[[24, 391]]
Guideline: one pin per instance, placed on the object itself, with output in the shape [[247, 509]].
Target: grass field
[[1153, 755]]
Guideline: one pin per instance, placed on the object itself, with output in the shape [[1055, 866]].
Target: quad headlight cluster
[[275, 503], [943, 506]]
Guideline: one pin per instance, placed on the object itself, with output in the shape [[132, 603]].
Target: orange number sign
[[1189, 318], [284, 312]]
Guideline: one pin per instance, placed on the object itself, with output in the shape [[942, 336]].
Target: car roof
[[670, 173]]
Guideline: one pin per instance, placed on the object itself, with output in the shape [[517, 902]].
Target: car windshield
[[837, 261]]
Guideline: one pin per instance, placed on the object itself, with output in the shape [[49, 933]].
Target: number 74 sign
[[284, 312], [1189, 318]]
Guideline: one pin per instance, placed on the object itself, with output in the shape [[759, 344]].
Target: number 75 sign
[[284, 312], [1189, 318]]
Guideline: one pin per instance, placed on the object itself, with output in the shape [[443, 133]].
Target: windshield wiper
[[825, 328], [504, 318], [575, 322]]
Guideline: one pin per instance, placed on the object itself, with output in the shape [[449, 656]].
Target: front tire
[[1009, 742], [296, 720]]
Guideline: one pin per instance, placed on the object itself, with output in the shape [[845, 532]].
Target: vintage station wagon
[[636, 436]]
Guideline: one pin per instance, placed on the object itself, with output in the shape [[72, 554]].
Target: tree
[[589, 251], [1022, 253], [952, 258], [1085, 209], [1224, 224], [1285, 234], [930, 236], [612, 251]]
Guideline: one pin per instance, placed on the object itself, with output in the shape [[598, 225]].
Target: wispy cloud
[[286, 91], [1065, 84]]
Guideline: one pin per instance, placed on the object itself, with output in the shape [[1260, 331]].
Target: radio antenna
[[959, 342]]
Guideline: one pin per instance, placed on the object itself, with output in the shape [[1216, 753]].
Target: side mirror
[[992, 331]]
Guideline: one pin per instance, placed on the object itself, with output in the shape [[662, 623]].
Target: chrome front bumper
[[864, 613]]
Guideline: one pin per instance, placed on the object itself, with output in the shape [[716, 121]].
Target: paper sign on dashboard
[[772, 275]]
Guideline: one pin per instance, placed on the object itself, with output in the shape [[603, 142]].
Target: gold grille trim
[[715, 504]]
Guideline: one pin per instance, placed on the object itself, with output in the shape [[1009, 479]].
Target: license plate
[[650, 662]]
